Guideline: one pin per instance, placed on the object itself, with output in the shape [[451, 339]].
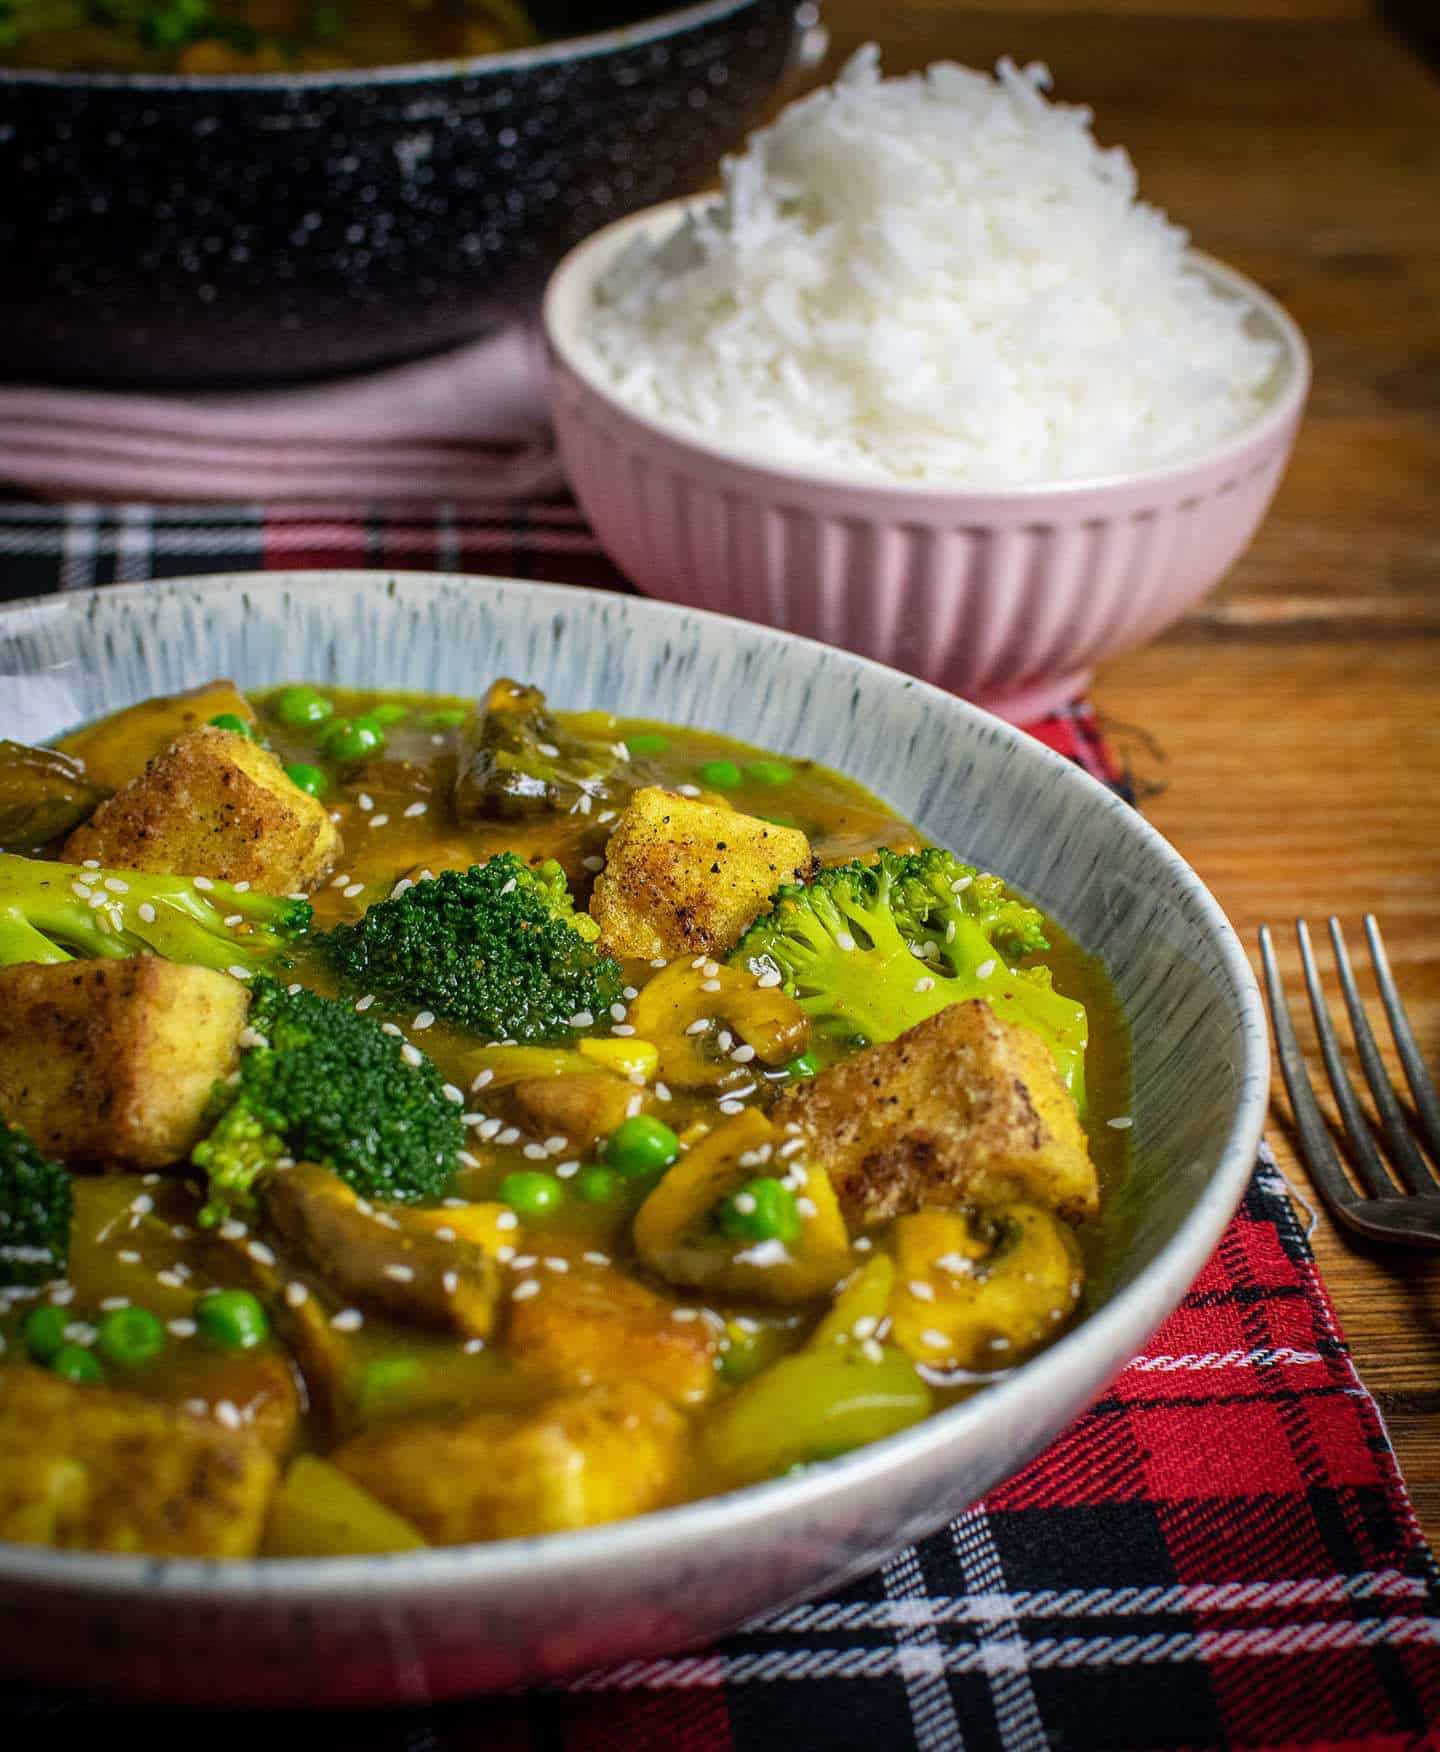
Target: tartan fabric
[[1220, 1552]]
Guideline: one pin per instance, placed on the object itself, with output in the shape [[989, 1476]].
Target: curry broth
[[136, 1237]]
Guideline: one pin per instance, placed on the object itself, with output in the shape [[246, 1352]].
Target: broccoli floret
[[54, 912], [36, 1209], [869, 950], [497, 948], [319, 1083]]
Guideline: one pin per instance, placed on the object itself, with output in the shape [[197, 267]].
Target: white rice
[[934, 278]]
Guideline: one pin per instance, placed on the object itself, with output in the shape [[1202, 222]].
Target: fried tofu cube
[[216, 804], [85, 1467], [115, 1061], [119, 748], [578, 1460], [963, 1108], [588, 1325], [686, 877]]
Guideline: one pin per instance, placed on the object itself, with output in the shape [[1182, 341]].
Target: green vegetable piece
[[388, 712], [724, 775], [353, 738], [303, 706], [641, 1145], [232, 1320], [44, 918], [598, 1185], [43, 1330], [72, 1362], [647, 742], [229, 721], [37, 1205], [384, 1384], [530, 1193], [447, 718], [762, 1210], [769, 772], [807, 1065], [309, 778], [130, 1336], [323, 1084]]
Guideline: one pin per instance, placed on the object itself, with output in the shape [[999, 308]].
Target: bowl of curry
[[536, 1125]]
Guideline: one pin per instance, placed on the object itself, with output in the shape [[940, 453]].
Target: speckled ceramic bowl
[[441, 1623], [160, 229]]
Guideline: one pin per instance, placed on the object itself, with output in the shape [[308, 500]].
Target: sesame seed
[[634, 1105], [662, 1091], [99, 900], [450, 1282], [742, 1055], [806, 1207], [700, 1025], [228, 1413], [142, 1204], [412, 1055], [710, 985], [596, 1258], [233, 919], [80, 1332], [862, 1244], [684, 1314], [292, 989], [232, 1229], [566, 1170], [768, 980], [90, 863], [524, 1261], [935, 1340], [871, 1351], [986, 968], [481, 1078], [146, 912], [791, 1147], [534, 1152], [111, 1303], [509, 887], [582, 1019], [489, 1128], [950, 931], [921, 1290], [260, 1253], [296, 1293], [865, 1326], [510, 1135], [125, 1258], [451, 1093], [625, 1029], [352, 889], [385, 1027], [556, 1145], [172, 1280], [507, 1220], [617, 1012], [340, 880], [181, 1327], [688, 790], [1121, 1124], [529, 1287], [925, 985], [196, 1407], [629, 993], [548, 749], [593, 863], [238, 972], [731, 1108], [402, 1274], [116, 886], [745, 1203], [366, 801], [557, 1264], [203, 882], [844, 940], [363, 1004], [414, 810], [473, 1346], [401, 887], [347, 1320]]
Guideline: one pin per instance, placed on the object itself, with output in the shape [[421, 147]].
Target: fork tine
[[1409, 1163], [1315, 1144], [1422, 1087], [1357, 1128]]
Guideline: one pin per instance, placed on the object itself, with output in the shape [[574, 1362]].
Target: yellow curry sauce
[[136, 1238]]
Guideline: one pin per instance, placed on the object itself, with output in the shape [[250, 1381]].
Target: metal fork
[[1409, 1212]]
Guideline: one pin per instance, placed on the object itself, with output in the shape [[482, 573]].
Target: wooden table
[[1285, 736]]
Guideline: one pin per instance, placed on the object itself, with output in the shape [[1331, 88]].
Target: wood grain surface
[[1286, 736]]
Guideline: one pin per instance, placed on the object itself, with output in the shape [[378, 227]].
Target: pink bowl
[[1007, 596]]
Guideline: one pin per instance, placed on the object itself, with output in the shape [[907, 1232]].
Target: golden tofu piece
[[89, 1468], [582, 1107], [119, 748], [589, 1457], [427, 1275], [685, 877], [214, 804], [589, 1325], [115, 1061], [963, 1108]]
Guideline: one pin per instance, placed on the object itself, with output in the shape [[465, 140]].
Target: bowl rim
[[1124, 1320], [673, 22], [578, 270]]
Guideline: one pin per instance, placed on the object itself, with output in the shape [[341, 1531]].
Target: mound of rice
[[934, 278]]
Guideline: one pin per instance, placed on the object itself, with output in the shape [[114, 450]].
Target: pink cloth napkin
[[468, 426]]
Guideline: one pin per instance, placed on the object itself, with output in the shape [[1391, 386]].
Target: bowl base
[[1038, 699]]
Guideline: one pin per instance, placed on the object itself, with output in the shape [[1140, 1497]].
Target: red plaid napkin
[[1220, 1552]]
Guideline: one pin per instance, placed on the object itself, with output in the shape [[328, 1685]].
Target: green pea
[[597, 1185], [299, 706], [807, 1065], [129, 1336], [530, 1193], [640, 1145], [388, 712], [309, 778], [769, 772], [762, 1210], [354, 738], [232, 1320], [229, 721], [447, 718], [43, 1330], [723, 774], [647, 742], [72, 1362]]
